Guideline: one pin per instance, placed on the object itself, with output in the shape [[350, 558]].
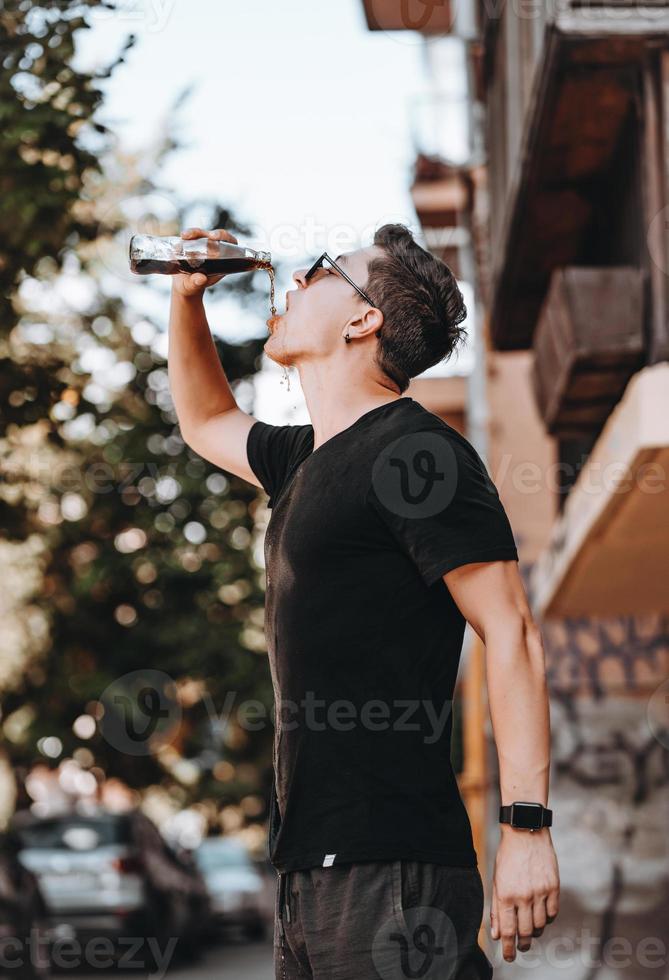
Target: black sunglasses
[[326, 258]]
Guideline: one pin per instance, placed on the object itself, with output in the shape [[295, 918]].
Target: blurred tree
[[50, 140], [149, 566], [49, 154], [145, 552]]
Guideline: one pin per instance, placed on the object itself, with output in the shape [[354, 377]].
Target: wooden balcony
[[608, 551], [435, 17], [441, 194], [577, 138], [588, 344]]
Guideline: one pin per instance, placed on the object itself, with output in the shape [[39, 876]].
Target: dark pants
[[380, 920]]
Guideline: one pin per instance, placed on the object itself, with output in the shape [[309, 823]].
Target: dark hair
[[421, 303]]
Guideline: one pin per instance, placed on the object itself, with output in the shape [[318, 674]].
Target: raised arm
[[492, 598], [210, 420]]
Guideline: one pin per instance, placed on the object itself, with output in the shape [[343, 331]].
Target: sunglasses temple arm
[[351, 283], [325, 257]]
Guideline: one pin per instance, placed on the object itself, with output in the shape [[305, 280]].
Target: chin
[[277, 354]]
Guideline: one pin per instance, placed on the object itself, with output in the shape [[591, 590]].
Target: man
[[386, 537]]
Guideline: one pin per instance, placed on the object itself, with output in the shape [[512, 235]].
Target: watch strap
[[506, 816]]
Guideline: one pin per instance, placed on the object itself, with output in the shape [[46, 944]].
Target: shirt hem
[[295, 862]]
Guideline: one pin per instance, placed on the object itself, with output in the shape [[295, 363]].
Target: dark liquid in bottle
[[210, 267]]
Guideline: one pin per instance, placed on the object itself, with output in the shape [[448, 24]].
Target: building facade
[[560, 216]]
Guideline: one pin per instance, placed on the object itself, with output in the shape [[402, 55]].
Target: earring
[[347, 338]]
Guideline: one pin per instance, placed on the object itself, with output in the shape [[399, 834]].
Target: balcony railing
[[572, 107], [514, 48]]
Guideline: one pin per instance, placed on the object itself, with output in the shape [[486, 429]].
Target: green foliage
[[139, 579], [148, 549], [50, 141]]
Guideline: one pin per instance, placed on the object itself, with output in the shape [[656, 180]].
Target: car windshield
[[219, 855]]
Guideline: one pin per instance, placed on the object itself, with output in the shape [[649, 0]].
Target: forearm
[[526, 883], [519, 711], [198, 383]]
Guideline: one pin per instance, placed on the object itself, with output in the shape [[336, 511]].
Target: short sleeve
[[273, 451], [432, 491]]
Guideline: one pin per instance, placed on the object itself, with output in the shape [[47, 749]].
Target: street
[[229, 952], [237, 960], [233, 958]]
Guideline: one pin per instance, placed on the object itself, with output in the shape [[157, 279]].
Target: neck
[[337, 398]]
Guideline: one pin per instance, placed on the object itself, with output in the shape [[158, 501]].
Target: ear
[[368, 323]]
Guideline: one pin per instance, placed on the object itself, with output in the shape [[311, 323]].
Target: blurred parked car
[[23, 914], [235, 886], [114, 875]]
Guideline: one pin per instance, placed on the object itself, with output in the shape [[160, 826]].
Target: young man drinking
[[386, 537]]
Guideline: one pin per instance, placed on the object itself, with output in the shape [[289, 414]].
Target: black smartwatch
[[526, 816]]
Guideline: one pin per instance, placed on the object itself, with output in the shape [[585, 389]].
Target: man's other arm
[[491, 597]]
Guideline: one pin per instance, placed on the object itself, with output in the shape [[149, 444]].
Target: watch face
[[527, 816]]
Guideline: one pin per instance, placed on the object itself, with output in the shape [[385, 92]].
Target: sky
[[299, 119]]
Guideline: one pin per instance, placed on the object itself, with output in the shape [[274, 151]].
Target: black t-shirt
[[363, 636]]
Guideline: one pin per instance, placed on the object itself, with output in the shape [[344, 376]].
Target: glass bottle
[[168, 256]]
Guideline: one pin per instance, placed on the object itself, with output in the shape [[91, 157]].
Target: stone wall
[[609, 691]]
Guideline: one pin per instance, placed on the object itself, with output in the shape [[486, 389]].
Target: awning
[[609, 549]]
